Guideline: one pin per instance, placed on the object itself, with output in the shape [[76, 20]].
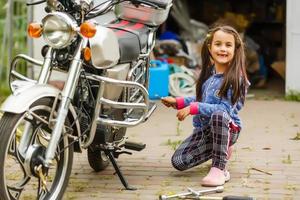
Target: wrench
[[193, 192], [218, 189]]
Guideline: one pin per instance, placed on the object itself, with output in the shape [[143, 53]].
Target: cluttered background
[[261, 24]]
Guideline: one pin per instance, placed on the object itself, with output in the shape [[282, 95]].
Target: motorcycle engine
[[84, 101]]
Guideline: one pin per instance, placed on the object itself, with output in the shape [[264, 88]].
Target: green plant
[[297, 137], [178, 130], [292, 96], [173, 144], [288, 160]]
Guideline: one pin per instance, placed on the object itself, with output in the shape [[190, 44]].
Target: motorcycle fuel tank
[[105, 48]]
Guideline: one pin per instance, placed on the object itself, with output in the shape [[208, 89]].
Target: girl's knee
[[178, 163]]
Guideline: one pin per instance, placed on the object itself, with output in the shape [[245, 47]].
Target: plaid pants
[[210, 142]]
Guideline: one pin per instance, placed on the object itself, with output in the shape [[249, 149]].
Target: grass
[[290, 187], [297, 137], [78, 186], [178, 130], [293, 96], [288, 160], [173, 144]]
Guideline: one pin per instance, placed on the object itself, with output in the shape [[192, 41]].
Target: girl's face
[[222, 48]]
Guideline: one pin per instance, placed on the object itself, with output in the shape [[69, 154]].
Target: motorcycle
[[105, 92]]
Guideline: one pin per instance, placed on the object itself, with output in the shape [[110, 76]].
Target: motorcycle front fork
[[66, 97]]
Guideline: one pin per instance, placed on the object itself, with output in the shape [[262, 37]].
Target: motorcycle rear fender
[[21, 99]]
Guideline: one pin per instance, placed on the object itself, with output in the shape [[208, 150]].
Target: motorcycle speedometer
[[59, 30]]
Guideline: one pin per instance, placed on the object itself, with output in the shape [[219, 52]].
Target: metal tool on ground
[[192, 194]]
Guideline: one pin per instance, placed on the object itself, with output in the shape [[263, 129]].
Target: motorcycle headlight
[[59, 30]]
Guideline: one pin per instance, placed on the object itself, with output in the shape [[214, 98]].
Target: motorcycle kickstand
[[118, 171]]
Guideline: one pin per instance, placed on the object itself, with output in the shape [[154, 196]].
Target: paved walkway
[[265, 163]]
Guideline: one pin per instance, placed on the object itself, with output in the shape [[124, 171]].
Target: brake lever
[[35, 3]]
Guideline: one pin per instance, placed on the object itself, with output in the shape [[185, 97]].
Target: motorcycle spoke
[[16, 189], [39, 118], [14, 192], [57, 154], [25, 181], [13, 151], [30, 119], [13, 148], [22, 165]]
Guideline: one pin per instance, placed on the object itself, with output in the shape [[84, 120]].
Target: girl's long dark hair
[[235, 77]]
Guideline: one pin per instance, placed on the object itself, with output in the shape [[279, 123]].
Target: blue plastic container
[[159, 79]]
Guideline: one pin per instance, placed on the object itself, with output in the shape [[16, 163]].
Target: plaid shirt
[[211, 102]]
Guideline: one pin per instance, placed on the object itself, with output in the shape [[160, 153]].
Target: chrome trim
[[150, 43], [133, 95], [73, 75], [133, 105], [25, 139], [96, 114], [122, 105], [46, 69], [27, 160], [13, 74], [67, 96], [147, 53], [70, 22], [130, 73], [137, 101], [150, 112], [43, 76], [142, 13]]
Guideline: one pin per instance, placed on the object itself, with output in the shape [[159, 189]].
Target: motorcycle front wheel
[[23, 143]]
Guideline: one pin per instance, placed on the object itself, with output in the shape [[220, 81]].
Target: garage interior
[[262, 22]]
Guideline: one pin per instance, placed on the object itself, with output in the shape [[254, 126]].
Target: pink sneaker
[[215, 177], [227, 175]]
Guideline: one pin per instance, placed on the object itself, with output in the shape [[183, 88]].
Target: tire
[[14, 165], [97, 159]]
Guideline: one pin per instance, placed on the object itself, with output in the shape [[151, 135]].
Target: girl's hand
[[169, 102], [183, 113]]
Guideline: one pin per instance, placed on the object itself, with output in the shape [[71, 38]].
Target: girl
[[220, 94]]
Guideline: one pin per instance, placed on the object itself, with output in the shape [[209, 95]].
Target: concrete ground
[[265, 163]]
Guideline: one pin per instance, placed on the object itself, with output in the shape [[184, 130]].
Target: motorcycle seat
[[132, 38]]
